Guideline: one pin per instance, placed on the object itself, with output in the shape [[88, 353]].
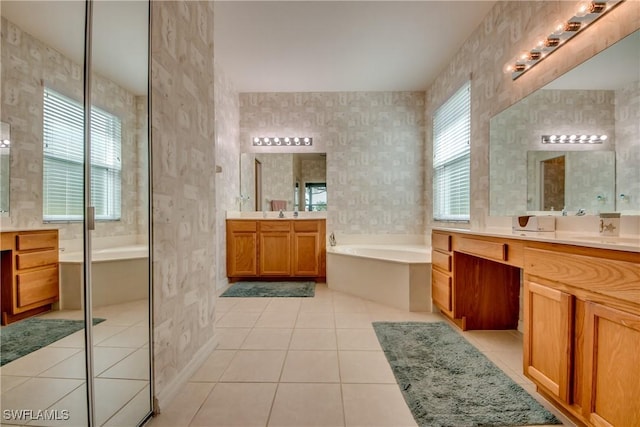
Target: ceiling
[[308, 46]]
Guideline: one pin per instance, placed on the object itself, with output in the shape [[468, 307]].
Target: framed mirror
[[5, 166], [594, 98]]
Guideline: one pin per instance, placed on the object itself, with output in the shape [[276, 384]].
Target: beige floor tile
[[236, 404], [133, 412], [7, 382], [251, 305], [231, 338], [104, 330], [267, 339], [307, 405], [353, 321], [313, 339], [74, 340], [277, 319], [349, 306], [240, 319], [284, 304], [370, 405], [316, 320], [74, 366], [135, 366], [494, 340], [512, 358], [317, 305], [225, 304], [38, 393], [311, 366], [214, 366], [75, 406], [38, 361], [255, 366], [365, 367], [357, 339], [184, 407], [112, 394], [133, 337]]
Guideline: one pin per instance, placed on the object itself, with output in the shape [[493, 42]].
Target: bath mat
[[446, 381], [21, 338], [271, 289]]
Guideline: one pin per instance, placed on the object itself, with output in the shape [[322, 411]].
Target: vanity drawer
[[441, 260], [441, 290], [484, 249], [36, 259], [441, 242], [25, 242], [275, 225], [306, 226], [242, 226], [37, 286]]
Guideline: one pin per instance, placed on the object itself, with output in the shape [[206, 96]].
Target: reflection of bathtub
[[119, 274], [395, 275]]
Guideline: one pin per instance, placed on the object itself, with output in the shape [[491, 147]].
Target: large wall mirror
[[599, 97], [287, 181], [98, 375]]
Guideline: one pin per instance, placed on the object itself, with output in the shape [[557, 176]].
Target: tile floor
[[310, 362], [53, 377]]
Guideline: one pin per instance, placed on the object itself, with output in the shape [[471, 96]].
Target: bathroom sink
[[609, 239]]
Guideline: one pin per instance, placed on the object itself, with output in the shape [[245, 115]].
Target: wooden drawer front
[[246, 226], [484, 249], [441, 290], [275, 225], [306, 226], [619, 279], [36, 259], [37, 286], [441, 260], [441, 241], [25, 242]]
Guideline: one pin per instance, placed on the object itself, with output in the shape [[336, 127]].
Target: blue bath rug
[[21, 338], [271, 289], [446, 381]]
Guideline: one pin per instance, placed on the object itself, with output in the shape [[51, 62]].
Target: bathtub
[[394, 275], [120, 274]]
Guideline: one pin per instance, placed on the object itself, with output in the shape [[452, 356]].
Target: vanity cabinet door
[[548, 315], [242, 249], [612, 367], [306, 254], [275, 253]]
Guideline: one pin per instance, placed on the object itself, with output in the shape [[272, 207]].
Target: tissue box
[[533, 223]]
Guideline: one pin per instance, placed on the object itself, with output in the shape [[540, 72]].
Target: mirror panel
[[5, 166], [594, 98], [291, 181]]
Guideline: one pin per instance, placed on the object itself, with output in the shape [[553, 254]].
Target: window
[[63, 147], [451, 157], [315, 196]]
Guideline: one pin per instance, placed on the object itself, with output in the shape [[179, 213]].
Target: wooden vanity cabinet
[[276, 249], [441, 274], [30, 283]]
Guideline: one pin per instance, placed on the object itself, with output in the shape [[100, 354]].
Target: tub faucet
[[332, 239]]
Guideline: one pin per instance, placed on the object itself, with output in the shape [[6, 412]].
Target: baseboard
[[164, 398], [521, 326]]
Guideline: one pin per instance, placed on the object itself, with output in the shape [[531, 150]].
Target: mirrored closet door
[[75, 225]]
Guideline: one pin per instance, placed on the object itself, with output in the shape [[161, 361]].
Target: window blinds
[[63, 180], [451, 157]]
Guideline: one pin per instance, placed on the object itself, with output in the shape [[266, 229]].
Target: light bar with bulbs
[[587, 12], [283, 141], [573, 139]]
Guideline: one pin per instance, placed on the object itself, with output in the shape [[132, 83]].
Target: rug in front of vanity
[[271, 289], [446, 381], [28, 335]]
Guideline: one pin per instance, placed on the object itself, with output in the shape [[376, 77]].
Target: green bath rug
[[271, 289]]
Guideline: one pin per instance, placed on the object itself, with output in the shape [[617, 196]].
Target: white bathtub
[[395, 275], [120, 274]]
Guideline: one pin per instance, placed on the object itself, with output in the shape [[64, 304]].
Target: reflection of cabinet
[[29, 273], [276, 248]]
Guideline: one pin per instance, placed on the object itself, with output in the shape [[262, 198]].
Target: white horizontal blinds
[[63, 160], [451, 157]]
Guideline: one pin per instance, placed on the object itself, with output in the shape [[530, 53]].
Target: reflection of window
[[451, 155], [315, 196], [63, 169]]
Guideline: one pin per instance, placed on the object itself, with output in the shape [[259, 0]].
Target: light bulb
[[583, 137], [602, 137], [572, 138], [563, 137], [286, 139], [583, 9], [256, 139], [558, 28], [266, 140]]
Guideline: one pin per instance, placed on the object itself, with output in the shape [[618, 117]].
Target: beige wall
[[509, 28], [184, 207], [628, 147]]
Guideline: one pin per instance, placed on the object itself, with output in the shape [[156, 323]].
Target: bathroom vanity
[[29, 273], [276, 248], [581, 312]]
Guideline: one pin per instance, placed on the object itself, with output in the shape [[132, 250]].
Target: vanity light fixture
[[283, 141], [573, 139], [586, 13]]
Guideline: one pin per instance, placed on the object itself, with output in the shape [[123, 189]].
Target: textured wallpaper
[[628, 147], [184, 201], [27, 65], [508, 29], [374, 143], [518, 130]]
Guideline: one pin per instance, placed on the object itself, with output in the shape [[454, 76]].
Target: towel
[[277, 205]]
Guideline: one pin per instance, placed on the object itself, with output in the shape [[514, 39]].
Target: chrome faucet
[[564, 211], [332, 239], [281, 214], [581, 212]]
